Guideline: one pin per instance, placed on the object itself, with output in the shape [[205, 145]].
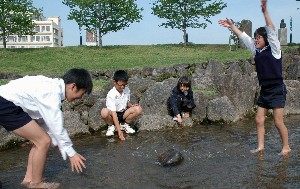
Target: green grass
[[207, 91], [3, 81], [56, 61], [98, 84]]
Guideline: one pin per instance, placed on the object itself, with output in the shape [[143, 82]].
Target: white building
[[49, 34], [91, 38]]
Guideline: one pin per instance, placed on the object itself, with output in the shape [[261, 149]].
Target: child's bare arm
[[129, 104], [229, 24], [266, 14], [117, 125]]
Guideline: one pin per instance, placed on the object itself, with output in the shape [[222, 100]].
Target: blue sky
[[147, 32]]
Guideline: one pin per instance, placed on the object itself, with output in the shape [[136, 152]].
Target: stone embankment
[[222, 93]]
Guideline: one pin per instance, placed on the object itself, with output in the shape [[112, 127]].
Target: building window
[[55, 31], [37, 38], [43, 28], [37, 28], [12, 39], [48, 28], [22, 39], [45, 38]]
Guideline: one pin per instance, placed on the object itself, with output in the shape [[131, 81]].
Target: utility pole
[[291, 29], [80, 38]]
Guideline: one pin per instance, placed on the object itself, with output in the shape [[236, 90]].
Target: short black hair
[[262, 32], [120, 75], [184, 81], [81, 77]]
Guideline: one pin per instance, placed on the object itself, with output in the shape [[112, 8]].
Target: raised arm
[[248, 41], [266, 14], [229, 24]]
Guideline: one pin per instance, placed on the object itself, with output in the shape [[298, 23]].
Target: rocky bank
[[222, 93]]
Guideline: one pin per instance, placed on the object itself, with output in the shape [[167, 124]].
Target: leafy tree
[[103, 15], [183, 14], [234, 37], [16, 18]]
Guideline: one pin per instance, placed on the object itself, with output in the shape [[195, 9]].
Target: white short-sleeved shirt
[[117, 102], [41, 98]]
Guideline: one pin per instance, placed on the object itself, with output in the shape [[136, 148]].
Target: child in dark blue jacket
[[181, 102]]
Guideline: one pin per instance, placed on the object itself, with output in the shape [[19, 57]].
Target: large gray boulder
[[138, 86], [160, 74], [74, 124], [240, 89], [201, 99], [214, 68], [154, 100], [160, 122], [95, 122], [8, 139], [222, 109], [292, 104], [155, 122], [293, 69]]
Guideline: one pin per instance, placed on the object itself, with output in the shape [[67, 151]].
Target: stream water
[[215, 156]]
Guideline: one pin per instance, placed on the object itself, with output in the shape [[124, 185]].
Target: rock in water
[[170, 157]]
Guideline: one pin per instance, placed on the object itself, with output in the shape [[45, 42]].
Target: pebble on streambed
[[170, 157]]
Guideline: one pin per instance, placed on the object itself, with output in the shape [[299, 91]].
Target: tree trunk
[[184, 38], [4, 39], [100, 38], [4, 43]]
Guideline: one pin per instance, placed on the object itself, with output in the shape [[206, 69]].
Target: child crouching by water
[[181, 102], [119, 111]]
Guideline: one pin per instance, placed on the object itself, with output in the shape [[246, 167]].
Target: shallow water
[[215, 156]]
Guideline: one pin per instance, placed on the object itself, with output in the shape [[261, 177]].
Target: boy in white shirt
[[31, 108], [119, 111]]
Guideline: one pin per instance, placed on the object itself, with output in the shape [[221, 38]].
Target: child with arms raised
[[31, 108], [268, 61]]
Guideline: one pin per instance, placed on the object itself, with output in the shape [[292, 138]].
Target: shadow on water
[[215, 156]]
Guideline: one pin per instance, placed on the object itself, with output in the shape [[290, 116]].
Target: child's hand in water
[[186, 114], [179, 120]]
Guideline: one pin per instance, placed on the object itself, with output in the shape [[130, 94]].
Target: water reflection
[[215, 156], [270, 173]]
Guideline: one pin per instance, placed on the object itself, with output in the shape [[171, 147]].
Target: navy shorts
[[120, 116], [272, 96], [12, 117]]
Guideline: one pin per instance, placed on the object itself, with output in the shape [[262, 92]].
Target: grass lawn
[[56, 61]]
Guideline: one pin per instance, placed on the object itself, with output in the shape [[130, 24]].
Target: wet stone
[[170, 157]]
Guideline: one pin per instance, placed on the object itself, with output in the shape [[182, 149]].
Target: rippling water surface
[[215, 156]]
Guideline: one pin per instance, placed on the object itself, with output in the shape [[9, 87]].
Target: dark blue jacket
[[178, 101]]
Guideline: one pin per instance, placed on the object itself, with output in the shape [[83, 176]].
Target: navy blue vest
[[268, 68]]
